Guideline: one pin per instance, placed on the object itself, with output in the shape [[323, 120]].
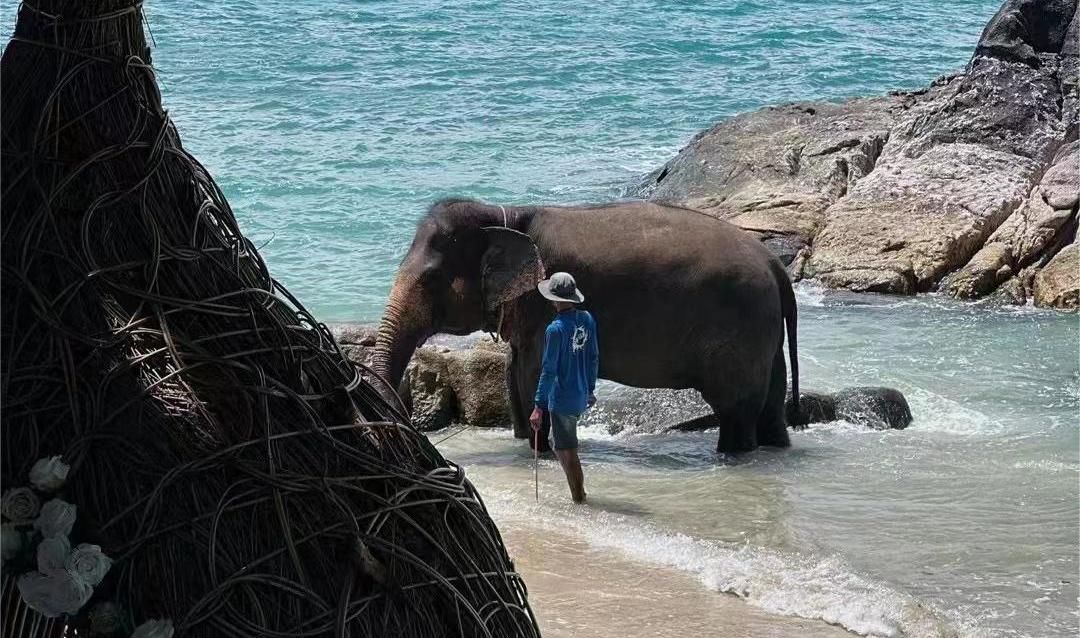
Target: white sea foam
[[1046, 466], [785, 583], [933, 412], [809, 294]]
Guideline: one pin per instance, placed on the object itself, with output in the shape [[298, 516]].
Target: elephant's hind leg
[[738, 424], [771, 426]]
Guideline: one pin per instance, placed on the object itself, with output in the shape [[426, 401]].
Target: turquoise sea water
[[332, 126]]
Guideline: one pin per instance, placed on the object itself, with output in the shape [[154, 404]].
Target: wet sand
[[580, 592]]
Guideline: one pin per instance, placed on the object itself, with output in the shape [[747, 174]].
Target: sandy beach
[[577, 591]]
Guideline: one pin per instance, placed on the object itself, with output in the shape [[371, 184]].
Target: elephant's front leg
[[525, 371], [518, 410]]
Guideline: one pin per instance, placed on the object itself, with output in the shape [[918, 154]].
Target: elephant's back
[[649, 240]]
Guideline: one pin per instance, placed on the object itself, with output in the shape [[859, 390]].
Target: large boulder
[[427, 391], [448, 382], [973, 176], [775, 171], [1057, 285], [955, 168], [1021, 30], [913, 220], [1033, 231], [479, 383]]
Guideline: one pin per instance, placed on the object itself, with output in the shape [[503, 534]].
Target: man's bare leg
[[575, 477]]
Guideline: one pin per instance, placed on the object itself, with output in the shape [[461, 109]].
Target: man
[[568, 378]]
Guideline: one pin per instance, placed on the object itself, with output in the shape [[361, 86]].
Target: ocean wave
[[810, 294], [813, 587], [936, 413]]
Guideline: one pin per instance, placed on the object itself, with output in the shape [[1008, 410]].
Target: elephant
[[681, 300]]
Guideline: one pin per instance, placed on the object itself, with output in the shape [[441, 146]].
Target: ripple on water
[[544, 102]]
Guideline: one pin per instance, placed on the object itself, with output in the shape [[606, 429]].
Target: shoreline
[[649, 600]]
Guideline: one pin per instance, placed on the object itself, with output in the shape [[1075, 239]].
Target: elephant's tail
[[795, 416]]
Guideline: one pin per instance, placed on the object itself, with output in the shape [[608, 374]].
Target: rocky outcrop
[[462, 381], [448, 382], [967, 185], [875, 407], [1056, 285], [776, 171], [1047, 216]]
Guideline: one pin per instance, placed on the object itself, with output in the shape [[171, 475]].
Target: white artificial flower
[[154, 629], [88, 564], [105, 619], [56, 519], [11, 541], [19, 504], [55, 593], [49, 473], [52, 554]]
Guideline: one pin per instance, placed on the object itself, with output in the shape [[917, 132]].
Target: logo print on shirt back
[[581, 336]]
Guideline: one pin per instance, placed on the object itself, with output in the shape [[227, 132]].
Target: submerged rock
[[817, 407], [876, 407], [962, 185]]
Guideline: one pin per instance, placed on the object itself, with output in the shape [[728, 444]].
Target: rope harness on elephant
[[502, 307]]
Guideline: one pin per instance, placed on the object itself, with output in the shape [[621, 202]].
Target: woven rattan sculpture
[[244, 478]]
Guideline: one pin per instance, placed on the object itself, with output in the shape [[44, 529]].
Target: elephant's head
[[465, 261]]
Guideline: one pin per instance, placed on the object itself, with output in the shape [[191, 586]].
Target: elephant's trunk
[[405, 325]]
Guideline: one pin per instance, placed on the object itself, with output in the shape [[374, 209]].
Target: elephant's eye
[[432, 270]]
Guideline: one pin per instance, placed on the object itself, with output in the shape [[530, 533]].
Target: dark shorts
[[564, 431]]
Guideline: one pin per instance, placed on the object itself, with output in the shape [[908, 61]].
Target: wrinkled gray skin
[[681, 300]]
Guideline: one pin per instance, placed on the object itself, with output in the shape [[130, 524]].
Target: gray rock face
[[776, 170], [356, 342], [1046, 216], [427, 392], [1058, 284], [975, 176], [1022, 29], [955, 168], [913, 220]]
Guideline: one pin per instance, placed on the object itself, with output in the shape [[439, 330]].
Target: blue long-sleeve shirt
[[571, 361]]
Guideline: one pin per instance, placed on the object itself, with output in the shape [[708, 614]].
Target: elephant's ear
[[510, 267]]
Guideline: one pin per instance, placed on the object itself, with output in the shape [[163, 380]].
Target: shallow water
[[331, 126], [963, 524]]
